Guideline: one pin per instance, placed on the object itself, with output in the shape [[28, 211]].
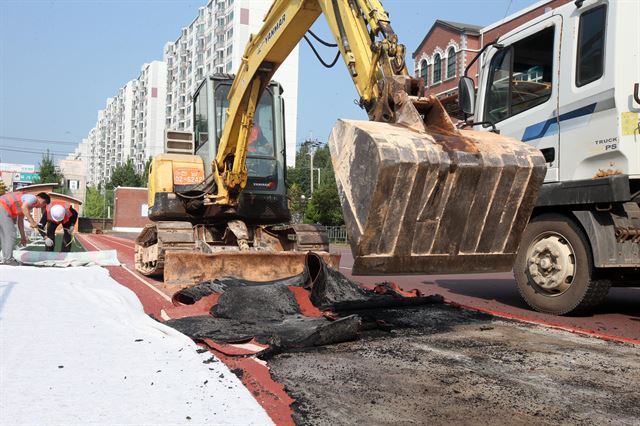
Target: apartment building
[[214, 43], [133, 122], [130, 126], [75, 179]]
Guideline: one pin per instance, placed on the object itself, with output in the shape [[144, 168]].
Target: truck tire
[[554, 267]]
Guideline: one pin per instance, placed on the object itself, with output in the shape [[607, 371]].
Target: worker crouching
[[14, 208], [57, 214]]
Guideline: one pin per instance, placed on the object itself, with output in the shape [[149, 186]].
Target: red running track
[[617, 319]]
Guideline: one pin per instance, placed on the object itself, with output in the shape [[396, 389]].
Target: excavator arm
[[367, 44], [418, 194]]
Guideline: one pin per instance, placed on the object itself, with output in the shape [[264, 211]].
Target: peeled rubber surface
[[272, 314], [77, 348]]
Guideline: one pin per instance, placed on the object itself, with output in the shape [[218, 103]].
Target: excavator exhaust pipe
[[422, 197]]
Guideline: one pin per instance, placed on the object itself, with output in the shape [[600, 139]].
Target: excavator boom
[[369, 49], [418, 195]]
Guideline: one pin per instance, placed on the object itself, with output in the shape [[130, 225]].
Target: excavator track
[[183, 257], [156, 239]]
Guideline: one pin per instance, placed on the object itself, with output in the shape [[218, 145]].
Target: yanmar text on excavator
[[418, 195]]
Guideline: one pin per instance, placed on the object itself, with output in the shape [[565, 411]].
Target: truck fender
[[607, 251], [598, 227]]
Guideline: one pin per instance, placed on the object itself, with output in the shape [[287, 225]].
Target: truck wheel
[[554, 267]]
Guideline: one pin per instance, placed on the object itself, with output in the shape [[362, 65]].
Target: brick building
[[443, 54], [130, 209], [448, 47]]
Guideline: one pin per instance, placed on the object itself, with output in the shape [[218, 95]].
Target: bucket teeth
[[413, 204]]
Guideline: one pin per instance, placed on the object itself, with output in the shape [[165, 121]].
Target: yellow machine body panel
[[169, 171]]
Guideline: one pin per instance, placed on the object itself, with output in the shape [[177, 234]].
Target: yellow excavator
[[418, 194]]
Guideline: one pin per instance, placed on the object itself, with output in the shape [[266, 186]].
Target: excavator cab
[[190, 241], [264, 199]]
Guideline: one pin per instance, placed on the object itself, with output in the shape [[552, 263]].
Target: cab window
[[201, 119], [590, 60], [520, 76], [261, 151]]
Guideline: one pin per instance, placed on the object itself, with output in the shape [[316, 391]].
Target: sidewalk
[[77, 348]]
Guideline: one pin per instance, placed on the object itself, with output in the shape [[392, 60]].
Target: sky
[[61, 60]]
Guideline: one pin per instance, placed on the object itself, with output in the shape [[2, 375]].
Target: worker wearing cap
[[57, 214], [15, 207]]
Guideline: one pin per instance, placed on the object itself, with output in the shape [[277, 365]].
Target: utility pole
[[311, 170], [313, 145]]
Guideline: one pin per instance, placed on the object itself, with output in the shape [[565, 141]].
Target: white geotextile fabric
[[63, 260], [77, 348]]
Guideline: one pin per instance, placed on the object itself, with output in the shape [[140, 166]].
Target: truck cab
[[567, 83]]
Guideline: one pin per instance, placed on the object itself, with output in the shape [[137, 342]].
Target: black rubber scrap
[[269, 311], [191, 295], [256, 303]]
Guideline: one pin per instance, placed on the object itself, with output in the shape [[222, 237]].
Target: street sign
[[25, 177]]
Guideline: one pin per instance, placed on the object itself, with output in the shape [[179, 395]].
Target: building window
[[451, 63], [437, 68], [424, 71], [590, 59], [73, 184]]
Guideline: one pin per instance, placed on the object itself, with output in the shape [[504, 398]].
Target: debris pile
[[317, 307]]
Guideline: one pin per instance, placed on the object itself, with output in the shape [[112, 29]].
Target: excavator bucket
[[421, 197]]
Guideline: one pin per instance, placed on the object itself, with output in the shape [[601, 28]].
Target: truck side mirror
[[467, 95]]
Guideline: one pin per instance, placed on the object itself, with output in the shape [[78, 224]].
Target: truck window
[[520, 76], [590, 57]]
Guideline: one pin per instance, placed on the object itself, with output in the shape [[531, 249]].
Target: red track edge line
[[119, 239], [575, 330]]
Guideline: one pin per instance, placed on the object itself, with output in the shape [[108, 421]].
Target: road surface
[[440, 364], [617, 317]]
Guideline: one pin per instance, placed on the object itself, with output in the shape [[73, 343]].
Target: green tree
[[93, 203], [297, 202], [300, 173], [145, 173], [324, 207], [97, 203], [48, 171], [125, 175], [3, 187]]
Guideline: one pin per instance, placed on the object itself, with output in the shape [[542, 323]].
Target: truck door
[[521, 89]]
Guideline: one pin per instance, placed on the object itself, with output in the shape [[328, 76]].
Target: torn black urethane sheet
[[274, 315]]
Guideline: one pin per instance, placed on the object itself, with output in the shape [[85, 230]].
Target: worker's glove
[[48, 242], [69, 231]]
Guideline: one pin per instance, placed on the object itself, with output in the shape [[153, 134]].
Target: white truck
[[567, 83]]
